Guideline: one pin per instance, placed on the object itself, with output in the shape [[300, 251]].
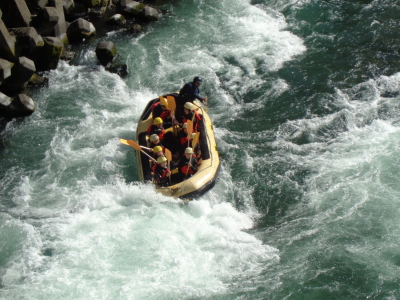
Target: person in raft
[[189, 93], [160, 110], [182, 139], [188, 164], [158, 151], [161, 172], [190, 113], [156, 128], [155, 141]]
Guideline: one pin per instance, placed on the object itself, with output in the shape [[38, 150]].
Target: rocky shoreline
[[36, 34]]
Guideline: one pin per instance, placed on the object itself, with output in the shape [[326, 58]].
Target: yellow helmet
[[157, 149], [157, 121], [161, 159], [188, 150]]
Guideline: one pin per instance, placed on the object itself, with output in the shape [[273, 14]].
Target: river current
[[305, 99]]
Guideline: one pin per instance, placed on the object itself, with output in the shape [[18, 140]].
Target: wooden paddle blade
[[171, 103], [168, 154], [164, 101], [125, 142], [195, 139], [134, 145]]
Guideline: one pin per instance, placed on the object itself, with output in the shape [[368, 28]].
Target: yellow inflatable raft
[[204, 179]]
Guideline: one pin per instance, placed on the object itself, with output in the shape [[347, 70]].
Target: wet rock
[[67, 54], [139, 10], [106, 52], [151, 14], [79, 11], [135, 28], [79, 30], [98, 12], [51, 14], [21, 106], [7, 43], [20, 74], [68, 5], [116, 20], [118, 68], [94, 3], [27, 40], [41, 3], [38, 81], [48, 56], [60, 29], [5, 69], [131, 8], [20, 16], [5, 102]]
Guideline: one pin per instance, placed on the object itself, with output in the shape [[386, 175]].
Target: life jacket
[[166, 114], [196, 120], [160, 174], [157, 130], [156, 109], [184, 169], [183, 137], [158, 112]]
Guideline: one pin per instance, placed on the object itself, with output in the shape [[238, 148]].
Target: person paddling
[[188, 164], [161, 172], [157, 128], [189, 93]]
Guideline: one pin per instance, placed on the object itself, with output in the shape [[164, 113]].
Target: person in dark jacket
[[157, 128], [190, 113], [189, 93], [188, 164], [160, 110], [161, 172]]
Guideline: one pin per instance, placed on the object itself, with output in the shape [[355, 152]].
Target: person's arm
[[194, 164], [197, 95]]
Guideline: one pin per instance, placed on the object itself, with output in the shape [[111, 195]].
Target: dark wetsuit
[[160, 175], [184, 169], [188, 93]]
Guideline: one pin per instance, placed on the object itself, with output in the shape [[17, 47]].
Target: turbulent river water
[[305, 99]]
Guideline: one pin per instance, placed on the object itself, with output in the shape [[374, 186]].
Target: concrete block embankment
[[36, 34]]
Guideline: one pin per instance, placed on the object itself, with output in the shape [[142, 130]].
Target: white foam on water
[[86, 233], [127, 241], [351, 191], [231, 44]]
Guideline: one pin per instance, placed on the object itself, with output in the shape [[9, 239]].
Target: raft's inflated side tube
[[145, 160], [204, 179]]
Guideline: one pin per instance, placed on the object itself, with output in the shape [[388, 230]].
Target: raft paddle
[[189, 130], [172, 108], [164, 101], [171, 104], [168, 155], [125, 142], [195, 139], [194, 143], [136, 146]]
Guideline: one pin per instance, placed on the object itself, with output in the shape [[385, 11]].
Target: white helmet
[[154, 137], [189, 106]]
